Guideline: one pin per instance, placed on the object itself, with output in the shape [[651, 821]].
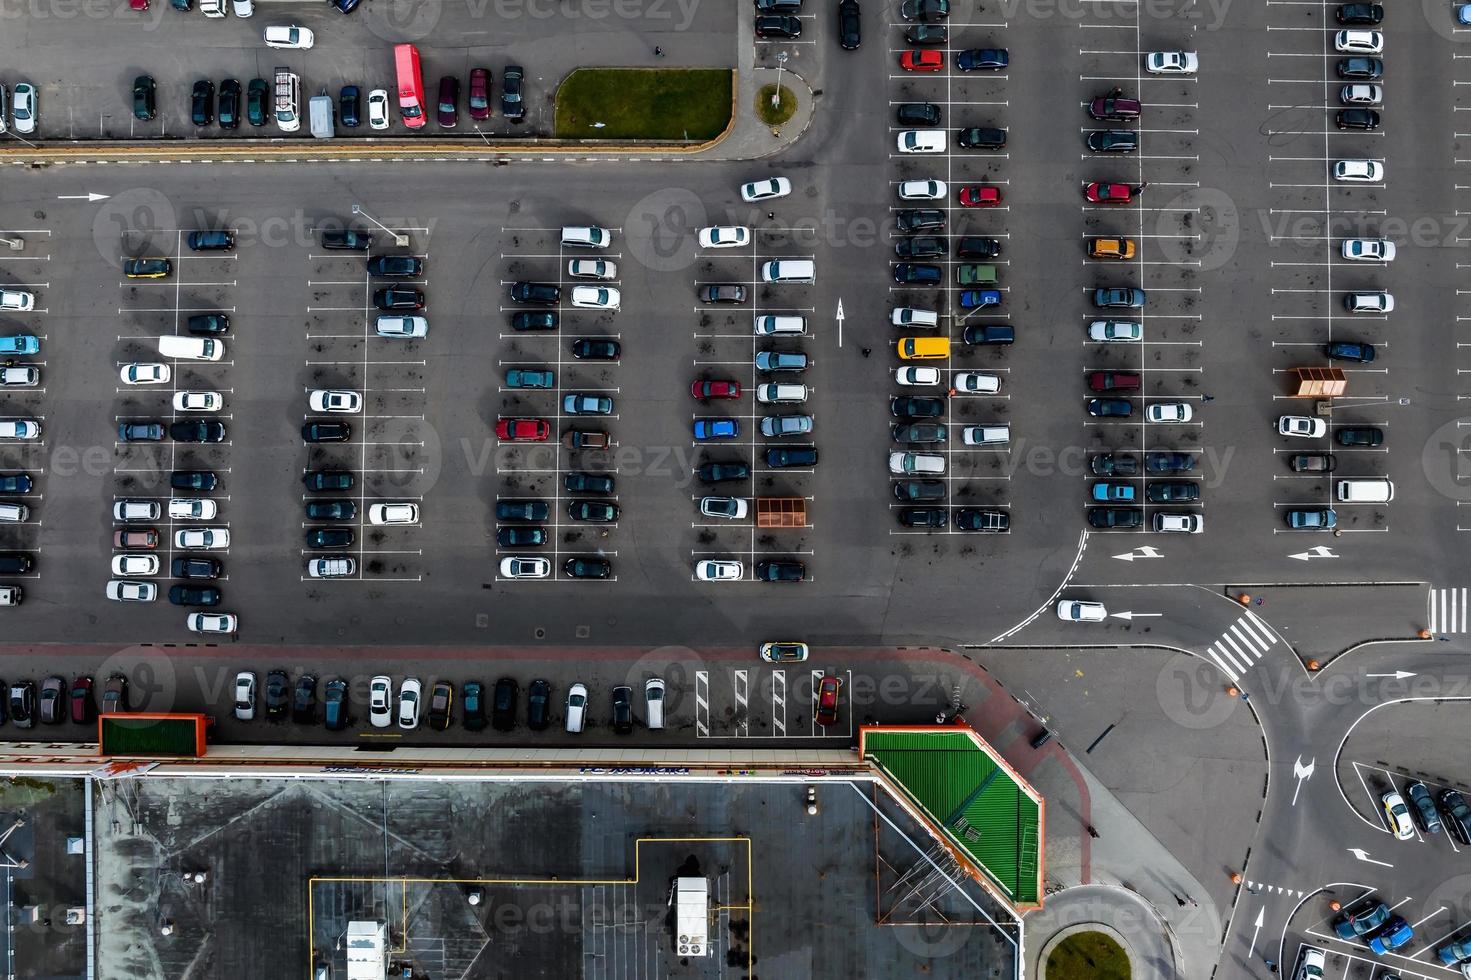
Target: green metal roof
[[986, 811]]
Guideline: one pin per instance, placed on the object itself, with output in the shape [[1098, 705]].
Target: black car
[[1366, 119], [278, 694], [924, 517], [1162, 462], [1108, 517], [850, 27], [588, 349], [230, 104], [325, 480], [1106, 408], [973, 519], [194, 595], [919, 491], [623, 709], [1364, 14], [193, 480], [1113, 141], [334, 704], [973, 247], [926, 11], [593, 511], [23, 704], [396, 266], [521, 537], [16, 483], [207, 324], [1359, 436], [919, 433], [202, 103], [511, 105], [257, 102], [922, 35], [144, 94], [981, 138], [472, 697], [447, 108], [1457, 814], [917, 274], [916, 407], [779, 458], [988, 334], [304, 700], [16, 562], [538, 704], [718, 472], [326, 432], [983, 59], [331, 510], [920, 219], [503, 706], [197, 431], [195, 568], [441, 705], [919, 114], [329, 537], [539, 320], [1172, 492], [356, 241], [727, 292], [1345, 350], [348, 106], [540, 293], [778, 6], [780, 571], [531, 511], [399, 298], [920, 247], [210, 241], [587, 483], [1363, 69], [777, 25], [147, 268], [587, 568]]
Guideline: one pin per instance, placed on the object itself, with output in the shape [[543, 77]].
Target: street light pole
[[781, 62], [401, 241]]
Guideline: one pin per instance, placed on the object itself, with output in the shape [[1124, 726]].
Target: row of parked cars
[[53, 701], [781, 19], [15, 374]]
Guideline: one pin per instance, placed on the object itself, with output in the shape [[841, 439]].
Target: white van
[[586, 236], [10, 595], [14, 513], [331, 567], [768, 325], [319, 111], [1365, 491], [789, 270], [986, 435], [191, 348], [780, 394], [212, 8]]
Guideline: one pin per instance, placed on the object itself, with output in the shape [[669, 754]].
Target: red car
[[927, 60], [138, 4], [827, 700], [715, 389], [83, 709], [1113, 381], [522, 430], [479, 101], [979, 196], [1101, 193]]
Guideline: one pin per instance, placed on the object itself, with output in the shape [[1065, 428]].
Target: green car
[[975, 275], [523, 378], [257, 103], [143, 97]]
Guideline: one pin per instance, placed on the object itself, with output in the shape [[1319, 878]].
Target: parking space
[[757, 703], [25, 270], [1431, 927]]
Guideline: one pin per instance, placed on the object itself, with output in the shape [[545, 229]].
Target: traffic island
[[776, 104], [1091, 952]]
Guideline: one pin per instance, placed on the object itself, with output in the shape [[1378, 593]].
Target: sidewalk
[[748, 137]]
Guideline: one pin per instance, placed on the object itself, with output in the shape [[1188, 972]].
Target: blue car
[[523, 378], [717, 429], [1452, 953], [1396, 933], [973, 299], [19, 344], [1110, 408], [1113, 493], [1356, 925]]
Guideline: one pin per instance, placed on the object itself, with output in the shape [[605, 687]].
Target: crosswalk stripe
[[1246, 658], [1219, 648], [1448, 611], [1248, 640], [1253, 631], [1224, 669]]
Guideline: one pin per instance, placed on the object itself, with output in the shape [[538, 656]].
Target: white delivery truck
[[213, 8], [288, 100], [691, 916], [320, 109]]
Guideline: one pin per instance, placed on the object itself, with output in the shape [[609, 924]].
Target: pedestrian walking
[[1207, 398], [867, 351], [658, 51], [1179, 901], [1092, 832], [771, 215]]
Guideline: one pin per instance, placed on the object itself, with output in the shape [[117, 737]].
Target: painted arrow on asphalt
[[1398, 675], [1311, 553], [1363, 855], [1145, 552], [839, 316], [90, 198], [1134, 615], [1303, 773], [1257, 931]]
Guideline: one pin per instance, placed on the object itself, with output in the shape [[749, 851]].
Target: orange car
[[1110, 248]]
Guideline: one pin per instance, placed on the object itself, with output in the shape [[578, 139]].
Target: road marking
[[1363, 855], [1448, 610], [779, 702], [1302, 773], [702, 703], [743, 715], [1147, 551], [1318, 552]]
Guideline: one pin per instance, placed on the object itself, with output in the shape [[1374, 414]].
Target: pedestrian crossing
[[1448, 611], [1242, 645]]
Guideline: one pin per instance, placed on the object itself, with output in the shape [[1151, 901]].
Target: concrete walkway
[[1121, 913], [749, 138]]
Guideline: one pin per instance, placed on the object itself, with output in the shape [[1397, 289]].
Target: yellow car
[[1110, 248], [147, 268]]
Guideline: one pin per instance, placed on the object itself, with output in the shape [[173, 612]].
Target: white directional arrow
[[1398, 675], [1133, 615], [839, 317], [1145, 552], [1256, 930], [90, 198], [1311, 553], [1303, 773], [1363, 855]]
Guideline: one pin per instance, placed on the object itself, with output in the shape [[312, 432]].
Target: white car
[[909, 316], [136, 510], [976, 383], [378, 108], [334, 400], [1179, 523], [245, 696], [1302, 425], [1369, 302], [11, 513], [124, 590], [1368, 250], [728, 508], [145, 374], [725, 236], [525, 566], [202, 538], [193, 509], [1171, 63], [764, 190], [332, 567], [132, 566], [212, 622], [243, 8], [719, 571], [576, 707], [917, 375], [1073, 611], [1398, 814], [923, 190], [1311, 964], [19, 377], [592, 269], [986, 435], [402, 326], [289, 37], [1359, 42], [909, 464], [595, 297], [1361, 94], [20, 429], [1361, 171], [1169, 412], [654, 703], [380, 701], [409, 693], [23, 108], [922, 141], [198, 401], [17, 301], [1112, 331], [398, 512]]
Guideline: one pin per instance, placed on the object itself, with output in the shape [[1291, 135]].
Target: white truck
[[320, 111], [692, 916], [288, 99], [213, 8]]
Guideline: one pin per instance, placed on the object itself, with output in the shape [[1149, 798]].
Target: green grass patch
[[688, 104], [1087, 956], [775, 115]]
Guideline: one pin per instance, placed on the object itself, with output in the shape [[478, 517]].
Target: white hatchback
[[1073, 611], [719, 571], [976, 383], [333, 400], [17, 301], [130, 566], [922, 141], [908, 464], [1303, 426], [596, 297], [1359, 42], [397, 512], [525, 566], [193, 509], [1360, 171], [378, 108], [198, 401], [917, 375], [725, 236], [576, 707], [20, 429], [289, 36], [202, 539]]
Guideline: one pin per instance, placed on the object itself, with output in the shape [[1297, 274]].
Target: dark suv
[[202, 103], [919, 114], [503, 705], [540, 293]]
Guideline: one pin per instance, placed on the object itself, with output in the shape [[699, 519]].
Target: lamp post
[[781, 62], [401, 241]]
